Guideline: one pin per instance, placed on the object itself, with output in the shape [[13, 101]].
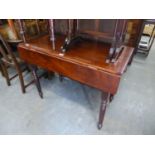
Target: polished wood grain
[[85, 62], [111, 31]]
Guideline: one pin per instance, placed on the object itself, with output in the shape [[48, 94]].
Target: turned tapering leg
[[104, 101]]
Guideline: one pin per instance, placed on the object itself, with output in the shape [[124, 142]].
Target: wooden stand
[[52, 36], [104, 101], [116, 37]]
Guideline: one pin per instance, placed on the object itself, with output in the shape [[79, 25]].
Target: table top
[[88, 53]]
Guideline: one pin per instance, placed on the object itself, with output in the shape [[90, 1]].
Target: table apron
[[87, 75]]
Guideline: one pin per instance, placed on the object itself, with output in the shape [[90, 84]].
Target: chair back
[[30, 29], [6, 52]]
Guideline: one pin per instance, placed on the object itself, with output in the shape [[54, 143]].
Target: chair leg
[[4, 68], [21, 80], [36, 79], [1, 70]]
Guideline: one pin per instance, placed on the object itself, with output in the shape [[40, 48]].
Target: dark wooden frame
[[25, 40], [22, 30], [10, 60], [1, 68]]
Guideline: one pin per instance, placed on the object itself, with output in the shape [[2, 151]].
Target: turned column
[[104, 101], [113, 44], [22, 32], [52, 36]]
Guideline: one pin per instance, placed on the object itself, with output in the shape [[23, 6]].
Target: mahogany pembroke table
[[85, 63]]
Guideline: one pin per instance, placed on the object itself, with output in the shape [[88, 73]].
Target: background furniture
[[132, 32], [31, 28], [11, 59], [110, 30], [46, 27], [8, 30], [146, 36]]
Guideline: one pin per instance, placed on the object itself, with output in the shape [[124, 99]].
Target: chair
[[40, 28], [1, 70], [11, 59]]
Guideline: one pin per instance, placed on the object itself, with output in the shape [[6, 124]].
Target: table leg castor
[[99, 126]]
